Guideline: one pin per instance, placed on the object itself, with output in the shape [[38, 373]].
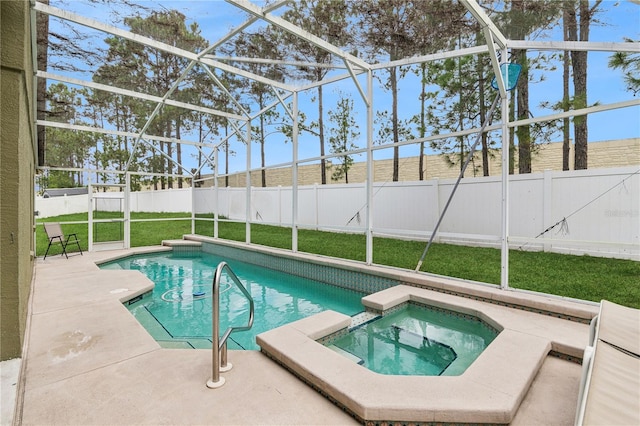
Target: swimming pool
[[178, 311], [416, 340]]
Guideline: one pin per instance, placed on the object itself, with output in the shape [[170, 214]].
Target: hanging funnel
[[510, 74]]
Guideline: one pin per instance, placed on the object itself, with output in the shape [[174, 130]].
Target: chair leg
[[51, 242], [48, 247], [75, 240], [64, 249], [75, 237]]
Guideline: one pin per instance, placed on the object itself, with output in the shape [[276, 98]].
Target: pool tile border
[[374, 278], [329, 274]]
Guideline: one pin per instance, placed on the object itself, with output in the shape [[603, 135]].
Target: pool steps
[[363, 318], [181, 243], [347, 354]]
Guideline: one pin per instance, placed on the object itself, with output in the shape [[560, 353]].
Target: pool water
[[416, 340], [178, 312]]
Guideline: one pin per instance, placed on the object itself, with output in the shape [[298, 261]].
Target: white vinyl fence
[[593, 212]]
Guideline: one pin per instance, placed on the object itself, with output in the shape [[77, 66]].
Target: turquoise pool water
[[178, 312], [416, 340]]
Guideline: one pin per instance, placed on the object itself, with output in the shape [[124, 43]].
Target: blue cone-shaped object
[[510, 74]]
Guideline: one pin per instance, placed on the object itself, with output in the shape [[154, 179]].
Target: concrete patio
[[88, 361]]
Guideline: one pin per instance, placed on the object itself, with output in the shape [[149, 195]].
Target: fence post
[[547, 207], [316, 207], [436, 206], [127, 210], [280, 205], [90, 216]]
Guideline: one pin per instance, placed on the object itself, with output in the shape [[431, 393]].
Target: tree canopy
[[198, 94]]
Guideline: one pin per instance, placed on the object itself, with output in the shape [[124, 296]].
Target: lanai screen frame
[[497, 48]]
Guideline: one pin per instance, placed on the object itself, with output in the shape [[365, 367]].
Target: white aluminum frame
[[497, 47]]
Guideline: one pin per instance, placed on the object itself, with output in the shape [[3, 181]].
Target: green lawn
[[581, 277]]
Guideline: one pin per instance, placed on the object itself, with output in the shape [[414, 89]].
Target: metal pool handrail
[[219, 356]]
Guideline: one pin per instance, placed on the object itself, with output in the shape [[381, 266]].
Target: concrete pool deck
[[88, 361]]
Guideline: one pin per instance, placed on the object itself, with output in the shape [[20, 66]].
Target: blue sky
[[619, 19]]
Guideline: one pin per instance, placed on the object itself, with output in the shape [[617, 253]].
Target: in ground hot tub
[[488, 391], [415, 339]]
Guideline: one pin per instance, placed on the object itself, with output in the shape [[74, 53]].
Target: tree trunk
[[263, 172], [394, 121], [423, 130], [153, 159], [461, 121], [580, 86], [483, 112], [161, 159], [197, 175], [566, 63], [123, 140], [579, 62], [226, 155], [522, 96], [346, 171], [169, 155], [512, 134], [323, 162], [523, 132]]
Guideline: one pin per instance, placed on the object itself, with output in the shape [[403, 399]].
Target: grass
[[580, 277], [142, 234]]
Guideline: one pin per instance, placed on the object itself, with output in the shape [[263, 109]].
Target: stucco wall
[[605, 154], [17, 166]]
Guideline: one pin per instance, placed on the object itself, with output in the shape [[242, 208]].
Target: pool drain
[[197, 292]]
